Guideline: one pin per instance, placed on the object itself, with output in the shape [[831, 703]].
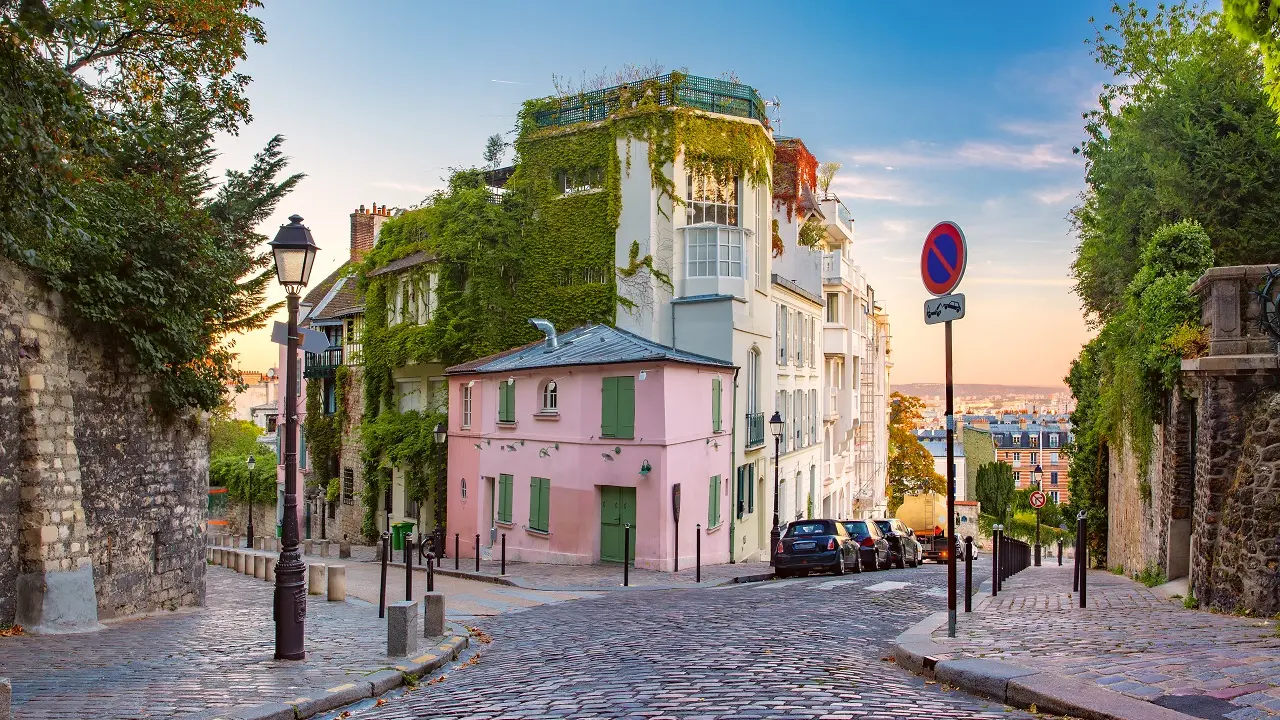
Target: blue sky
[[937, 112]]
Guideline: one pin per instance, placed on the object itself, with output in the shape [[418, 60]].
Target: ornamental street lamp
[[1036, 475], [295, 253], [776, 426], [249, 493], [441, 433]]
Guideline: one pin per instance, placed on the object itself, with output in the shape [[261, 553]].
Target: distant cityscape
[[1050, 403]]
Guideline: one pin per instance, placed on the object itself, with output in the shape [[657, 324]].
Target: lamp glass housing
[[294, 252], [440, 433], [776, 424]]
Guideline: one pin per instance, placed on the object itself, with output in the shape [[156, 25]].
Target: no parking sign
[[943, 258]]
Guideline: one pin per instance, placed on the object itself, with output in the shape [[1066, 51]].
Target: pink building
[[561, 443]]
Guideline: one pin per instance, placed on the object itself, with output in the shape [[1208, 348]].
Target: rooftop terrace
[[717, 96]]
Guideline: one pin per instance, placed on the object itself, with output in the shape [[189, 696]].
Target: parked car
[[873, 546], [822, 545], [903, 545]]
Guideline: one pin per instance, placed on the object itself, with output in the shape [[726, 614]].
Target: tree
[[1258, 21], [228, 436], [826, 173], [494, 149], [1182, 132], [910, 470], [996, 488]]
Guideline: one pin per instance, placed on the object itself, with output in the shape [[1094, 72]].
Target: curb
[[1015, 684], [508, 581], [347, 690]]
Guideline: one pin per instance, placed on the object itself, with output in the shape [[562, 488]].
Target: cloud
[[508, 82], [969, 154], [854, 186], [1055, 196]]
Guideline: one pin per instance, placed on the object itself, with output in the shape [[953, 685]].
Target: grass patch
[[1151, 576], [1117, 570], [1190, 602]]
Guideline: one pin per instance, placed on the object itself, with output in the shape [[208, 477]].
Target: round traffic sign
[[1038, 499], [943, 258]]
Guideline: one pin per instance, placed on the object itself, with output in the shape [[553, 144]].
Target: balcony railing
[[755, 429], [322, 365], [717, 96]]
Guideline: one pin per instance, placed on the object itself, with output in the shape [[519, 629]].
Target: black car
[[903, 545], [822, 545], [873, 546]]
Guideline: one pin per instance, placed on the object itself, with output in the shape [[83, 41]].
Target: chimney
[[364, 230]]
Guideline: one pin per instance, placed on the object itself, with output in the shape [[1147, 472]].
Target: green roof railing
[[708, 94]]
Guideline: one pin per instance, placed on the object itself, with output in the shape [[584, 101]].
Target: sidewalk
[[1131, 644], [176, 664]]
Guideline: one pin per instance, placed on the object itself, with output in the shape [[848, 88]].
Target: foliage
[[495, 148], [1191, 603], [827, 173], [1022, 526], [775, 242], [1151, 576], [1183, 132], [996, 488], [403, 440], [811, 233], [795, 170], [322, 431], [1088, 452], [232, 472], [1258, 21], [333, 491], [910, 470], [107, 116], [228, 436]]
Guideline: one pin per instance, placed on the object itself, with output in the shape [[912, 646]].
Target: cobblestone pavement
[[177, 663], [801, 648], [1130, 640]]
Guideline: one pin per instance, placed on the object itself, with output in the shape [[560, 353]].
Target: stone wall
[[112, 499], [264, 519]]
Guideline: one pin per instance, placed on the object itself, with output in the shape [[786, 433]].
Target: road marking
[[831, 584], [775, 584], [887, 585]]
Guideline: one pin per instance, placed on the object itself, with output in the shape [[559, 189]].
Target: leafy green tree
[[1258, 21], [996, 487], [232, 472], [1088, 450], [228, 436], [910, 470], [494, 149], [1182, 132]]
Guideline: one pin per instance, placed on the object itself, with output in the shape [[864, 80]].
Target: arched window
[[549, 398]]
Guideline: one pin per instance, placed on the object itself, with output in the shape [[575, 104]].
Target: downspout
[[733, 464]]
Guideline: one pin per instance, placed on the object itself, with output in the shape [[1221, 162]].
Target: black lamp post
[[249, 504], [1036, 475], [776, 426], [295, 253]]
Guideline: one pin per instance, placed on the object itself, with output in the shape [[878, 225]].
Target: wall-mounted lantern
[[645, 467]]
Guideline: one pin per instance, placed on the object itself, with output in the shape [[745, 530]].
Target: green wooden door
[[617, 507]]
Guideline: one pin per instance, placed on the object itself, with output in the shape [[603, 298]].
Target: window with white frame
[[713, 251], [753, 382], [466, 406], [708, 200], [813, 415], [408, 395], [833, 307], [1053, 495], [549, 397], [579, 181], [762, 241], [797, 412], [1053, 440], [1053, 458], [797, 330], [782, 335]]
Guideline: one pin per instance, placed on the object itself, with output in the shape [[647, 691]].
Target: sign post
[[942, 264]]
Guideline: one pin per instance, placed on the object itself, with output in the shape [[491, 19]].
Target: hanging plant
[[795, 169]]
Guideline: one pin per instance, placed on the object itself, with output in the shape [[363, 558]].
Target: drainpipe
[[733, 466]]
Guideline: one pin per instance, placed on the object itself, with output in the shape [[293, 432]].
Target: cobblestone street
[[1130, 640], [803, 648]]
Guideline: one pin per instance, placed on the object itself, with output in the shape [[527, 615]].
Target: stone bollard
[[307, 547], [433, 615], [324, 548], [259, 543], [260, 567], [271, 569], [248, 563], [6, 698], [344, 550], [239, 555], [402, 628], [337, 583], [315, 579], [223, 553]]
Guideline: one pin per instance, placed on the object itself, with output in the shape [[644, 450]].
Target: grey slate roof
[[585, 345], [407, 261]]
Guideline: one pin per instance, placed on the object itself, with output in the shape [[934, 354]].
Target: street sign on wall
[[943, 259], [943, 309]]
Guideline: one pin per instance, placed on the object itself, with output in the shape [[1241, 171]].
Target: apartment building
[[1026, 445]]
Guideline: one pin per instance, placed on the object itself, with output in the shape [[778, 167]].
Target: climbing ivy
[[810, 233]]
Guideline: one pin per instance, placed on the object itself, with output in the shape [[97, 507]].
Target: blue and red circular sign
[[943, 259]]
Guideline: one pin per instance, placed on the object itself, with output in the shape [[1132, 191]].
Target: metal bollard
[[1075, 567], [382, 588], [697, 555], [408, 567], [626, 551], [1082, 529], [504, 553], [995, 561], [477, 552], [968, 574], [1059, 552], [431, 573], [456, 554]]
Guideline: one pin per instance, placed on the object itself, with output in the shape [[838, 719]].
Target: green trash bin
[[398, 533]]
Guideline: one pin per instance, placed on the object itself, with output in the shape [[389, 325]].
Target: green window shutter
[[533, 502], [713, 506], [504, 498], [626, 407], [715, 404], [506, 402], [751, 488], [302, 448], [544, 504], [742, 491], [609, 407]]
